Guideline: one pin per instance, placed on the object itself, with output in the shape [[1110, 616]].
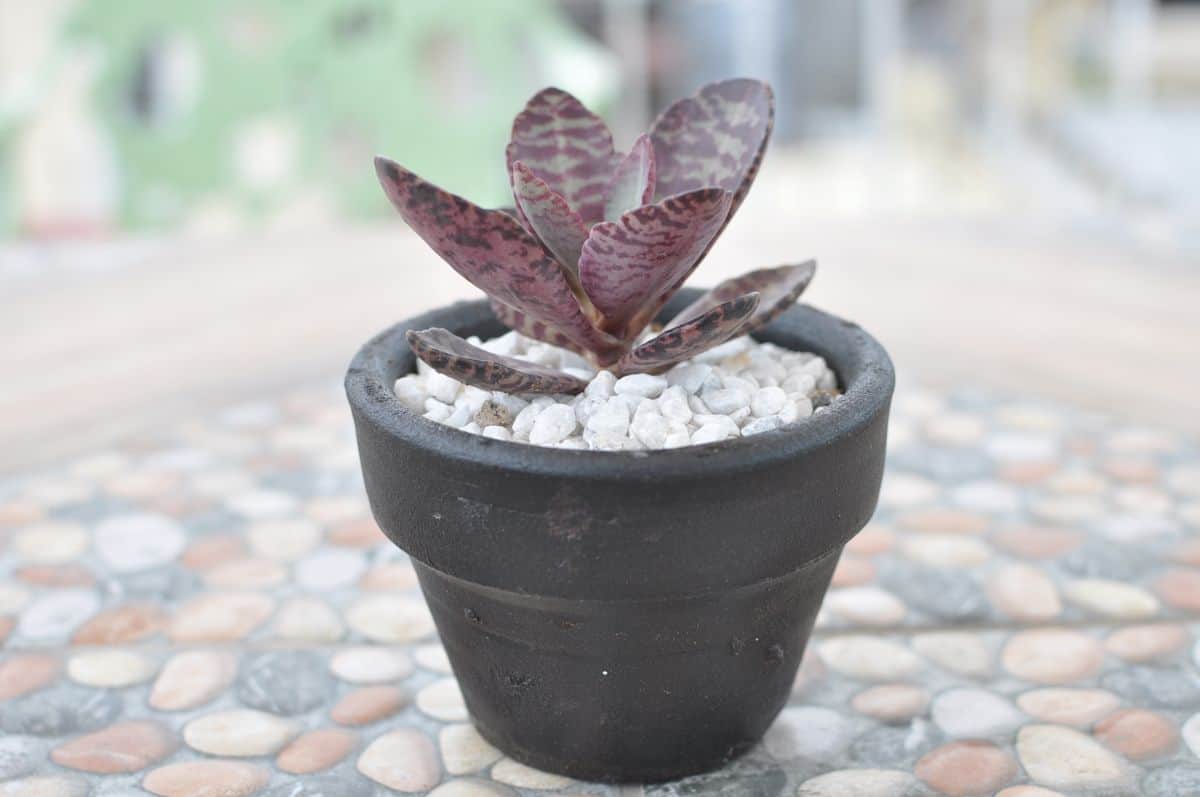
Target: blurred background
[[1006, 192]]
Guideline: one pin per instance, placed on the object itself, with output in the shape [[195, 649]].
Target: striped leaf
[[632, 183], [491, 250], [566, 145], [778, 287], [695, 336], [716, 137], [631, 266], [449, 354], [549, 217]]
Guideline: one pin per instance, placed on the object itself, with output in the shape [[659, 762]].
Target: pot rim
[[864, 370]]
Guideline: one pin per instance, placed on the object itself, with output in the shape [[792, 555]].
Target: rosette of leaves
[[598, 242]]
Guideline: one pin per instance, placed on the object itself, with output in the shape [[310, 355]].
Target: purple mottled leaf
[[449, 354], [778, 287], [716, 137], [492, 251], [632, 183], [695, 336], [549, 217], [566, 145], [630, 267], [532, 328]]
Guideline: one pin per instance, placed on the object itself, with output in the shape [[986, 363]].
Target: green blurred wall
[[251, 107]]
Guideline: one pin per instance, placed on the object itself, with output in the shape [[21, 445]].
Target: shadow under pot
[[618, 616]]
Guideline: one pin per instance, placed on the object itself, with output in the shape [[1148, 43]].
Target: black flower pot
[[625, 616]]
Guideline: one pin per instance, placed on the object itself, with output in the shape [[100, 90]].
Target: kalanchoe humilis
[[597, 242]]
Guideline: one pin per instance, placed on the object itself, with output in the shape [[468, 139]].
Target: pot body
[[642, 690], [625, 616]]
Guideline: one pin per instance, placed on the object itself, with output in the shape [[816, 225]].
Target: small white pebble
[[765, 367], [712, 382], [804, 408], [767, 401], [673, 404], [433, 405], [677, 438], [585, 406], [579, 373], [608, 441], [436, 410], [697, 405], [575, 443], [712, 432], [725, 400], [760, 425], [814, 367], [799, 383], [569, 359], [443, 388], [471, 402], [739, 415], [689, 376], [514, 404], [506, 344], [544, 354], [601, 385], [497, 433], [705, 418], [411, 391], [650, 428], [726, 350], [612, 418], [474, 397], [707, 434], [459, 417], [522, 425], [827, 381], [645, 385], [472, 427], [735, 382], [553, 424]]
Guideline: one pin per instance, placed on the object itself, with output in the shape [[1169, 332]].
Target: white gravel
[[738, 389]]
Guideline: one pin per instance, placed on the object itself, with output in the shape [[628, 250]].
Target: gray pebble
[[160, 585], [1107, 560], [321, 786], [19, 755], [728, 782], [59, 711], [893, 747], [1158, 687], [944, 594], [284, 682], [1172, 781], [951, 465]]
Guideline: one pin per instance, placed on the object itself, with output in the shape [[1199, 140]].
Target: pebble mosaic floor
[[212, 613]]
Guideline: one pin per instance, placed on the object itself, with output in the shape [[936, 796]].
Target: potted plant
[[636, 613]]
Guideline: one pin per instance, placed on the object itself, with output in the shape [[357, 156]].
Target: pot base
[[627, 690]]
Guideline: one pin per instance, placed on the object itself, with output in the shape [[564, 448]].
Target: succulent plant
[[598, 242]]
